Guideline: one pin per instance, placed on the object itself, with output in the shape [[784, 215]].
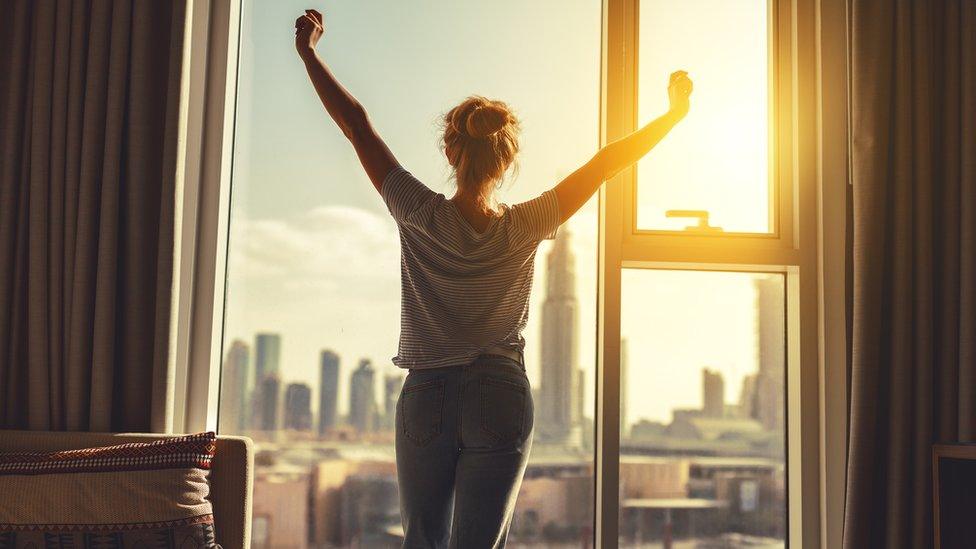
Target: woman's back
[[462, 290]]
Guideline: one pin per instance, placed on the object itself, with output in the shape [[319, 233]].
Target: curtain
[[913, 366], [89, 94]]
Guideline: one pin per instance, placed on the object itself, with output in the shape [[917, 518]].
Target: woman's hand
[[308, 29], [679, 91]]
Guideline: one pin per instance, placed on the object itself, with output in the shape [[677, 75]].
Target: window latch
[[701, 215]]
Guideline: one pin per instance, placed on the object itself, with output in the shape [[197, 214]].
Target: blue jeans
[[462, 443]]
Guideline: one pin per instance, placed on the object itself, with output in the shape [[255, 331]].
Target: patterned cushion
[[144, 494]]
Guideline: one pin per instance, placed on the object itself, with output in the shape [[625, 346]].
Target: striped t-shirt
[[462, 291]]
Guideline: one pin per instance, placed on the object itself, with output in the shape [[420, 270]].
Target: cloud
[[327, 245]]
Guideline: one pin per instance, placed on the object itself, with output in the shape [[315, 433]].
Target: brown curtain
[[913, 378], [89, 94]]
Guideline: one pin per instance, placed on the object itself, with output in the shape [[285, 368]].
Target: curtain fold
[[913, 364], [90, 93]]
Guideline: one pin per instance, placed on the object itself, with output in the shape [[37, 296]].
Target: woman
[[464, 417]]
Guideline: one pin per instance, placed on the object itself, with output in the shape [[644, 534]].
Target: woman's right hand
[[679, 92], [308, 29]]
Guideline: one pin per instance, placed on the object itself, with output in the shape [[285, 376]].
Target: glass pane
[[313, 299], [703, 409], [716, 159]]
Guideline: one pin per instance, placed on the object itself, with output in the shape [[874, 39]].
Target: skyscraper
[[770, 387], [328, 391], [561, 406], [267, 356], [391, 392], [264, 397], [747, 397], [233, 388], [362, 397], [269, 390], [298, 407], [713, 394]]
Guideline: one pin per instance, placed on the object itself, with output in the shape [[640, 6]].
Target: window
[[703, 411], [716, 160], [708, 281], [311, 314], [308, 323]]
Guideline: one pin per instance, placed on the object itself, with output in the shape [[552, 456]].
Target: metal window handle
[[701, 215]]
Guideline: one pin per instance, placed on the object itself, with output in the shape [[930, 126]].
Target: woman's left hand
[[679, 92], [308, 29]]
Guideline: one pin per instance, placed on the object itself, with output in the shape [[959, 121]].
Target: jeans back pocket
[[421, 410], [503, 404]]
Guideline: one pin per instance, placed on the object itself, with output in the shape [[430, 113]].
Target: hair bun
[[486, 120]]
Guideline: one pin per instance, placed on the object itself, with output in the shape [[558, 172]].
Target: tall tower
[[362, 397], [270, 389], [747, 397], [298, 407], [264, 397], [770, 388], [713, 393], [234, 388], [392, 383], [328, 391], [267, 356], [560, 392]]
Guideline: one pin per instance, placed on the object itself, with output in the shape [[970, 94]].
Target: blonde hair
[[480, 142]]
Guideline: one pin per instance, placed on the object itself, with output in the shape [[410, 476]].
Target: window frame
[[793, 248], [209, 106], [780, 145], [811, 244]]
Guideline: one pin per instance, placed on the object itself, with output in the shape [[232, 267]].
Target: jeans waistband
[[499, 350]]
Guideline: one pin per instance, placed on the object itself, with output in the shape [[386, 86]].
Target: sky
[[314, 255]]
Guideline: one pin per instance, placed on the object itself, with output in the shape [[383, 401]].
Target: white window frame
[[808, 246], [209, 99]]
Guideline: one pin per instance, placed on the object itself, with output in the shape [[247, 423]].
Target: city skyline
[[556, 351], [373, 409]]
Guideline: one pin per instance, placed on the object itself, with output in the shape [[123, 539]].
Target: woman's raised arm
[[344, 109], [580, 185]]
